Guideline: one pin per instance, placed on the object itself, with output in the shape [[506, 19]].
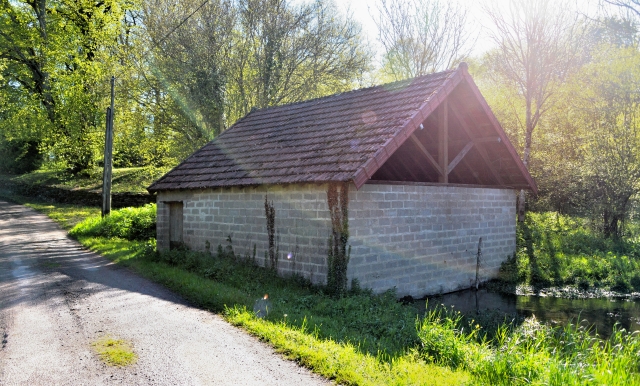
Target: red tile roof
[[342, 137]]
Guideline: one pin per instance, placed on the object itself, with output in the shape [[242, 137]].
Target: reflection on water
[[601, 313]]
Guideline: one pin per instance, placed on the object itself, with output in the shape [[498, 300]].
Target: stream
[[600, 313]]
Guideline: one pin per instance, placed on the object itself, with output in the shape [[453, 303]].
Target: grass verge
[[66, 215], [125, 180]]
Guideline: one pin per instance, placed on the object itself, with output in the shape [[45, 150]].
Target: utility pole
[[108, 155]]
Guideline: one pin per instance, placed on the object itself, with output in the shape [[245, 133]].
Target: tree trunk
[[525, 157]]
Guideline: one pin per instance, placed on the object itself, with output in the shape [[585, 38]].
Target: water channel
[[600, 313]]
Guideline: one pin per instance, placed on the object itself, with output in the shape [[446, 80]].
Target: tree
[[286, 53], [629, 5], [55, 55], [608, 106], [537, 48], [232, 56], [190, 58], [421, 36]]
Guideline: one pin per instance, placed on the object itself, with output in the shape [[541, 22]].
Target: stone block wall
[[302, 224], [419, 239], [424, 239]]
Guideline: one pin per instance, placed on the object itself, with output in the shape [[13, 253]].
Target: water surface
[[602, 314]]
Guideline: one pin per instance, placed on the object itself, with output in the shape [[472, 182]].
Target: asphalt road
[[56, 299]]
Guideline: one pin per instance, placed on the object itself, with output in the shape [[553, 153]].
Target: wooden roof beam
[[460, 156], [443, 141], [481, 149], [424, 151]]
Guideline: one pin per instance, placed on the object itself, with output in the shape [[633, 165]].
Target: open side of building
[[429, 172]]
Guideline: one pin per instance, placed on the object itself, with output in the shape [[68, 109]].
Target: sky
[[363, 9]]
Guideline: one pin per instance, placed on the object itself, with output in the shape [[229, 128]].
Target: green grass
[[66, 215], [115, 352], [530, 353], [555, 250]]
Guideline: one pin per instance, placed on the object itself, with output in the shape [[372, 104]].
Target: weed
[[270, 214], [339, 252], [115, 352]]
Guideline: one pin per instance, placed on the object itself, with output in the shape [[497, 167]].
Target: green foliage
[[126, 223], [343, 362], [55, 59], [559, 250], [124, 180], [19, 156], [176, 89], [443, 339]]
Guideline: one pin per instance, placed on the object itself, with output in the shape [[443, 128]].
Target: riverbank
[[85, 188], [565, 256]]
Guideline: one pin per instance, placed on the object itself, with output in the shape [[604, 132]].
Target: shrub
[[559, 250], [127, 223]]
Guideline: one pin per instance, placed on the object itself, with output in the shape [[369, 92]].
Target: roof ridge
[[384, 85]]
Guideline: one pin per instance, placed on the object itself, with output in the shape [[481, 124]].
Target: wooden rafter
[[481, 149], [460, 156], [424, 151]]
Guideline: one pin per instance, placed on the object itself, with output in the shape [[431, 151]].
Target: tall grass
[[530, 353]]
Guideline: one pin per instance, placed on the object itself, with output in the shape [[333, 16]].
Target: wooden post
[[443, 142], [108, 155]]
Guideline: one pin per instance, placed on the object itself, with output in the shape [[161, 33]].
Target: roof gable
[[342, 137]]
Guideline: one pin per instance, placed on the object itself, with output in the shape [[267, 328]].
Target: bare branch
[[422, 36]]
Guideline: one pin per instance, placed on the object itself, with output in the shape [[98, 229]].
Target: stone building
[[429, 171]]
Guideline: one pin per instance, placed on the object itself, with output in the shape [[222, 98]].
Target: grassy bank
[[362, 338], [554, 250], [125, 180]]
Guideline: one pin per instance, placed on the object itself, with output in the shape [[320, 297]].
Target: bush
[[19, 157], [559, 250], [127, 223], [444, 340]]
